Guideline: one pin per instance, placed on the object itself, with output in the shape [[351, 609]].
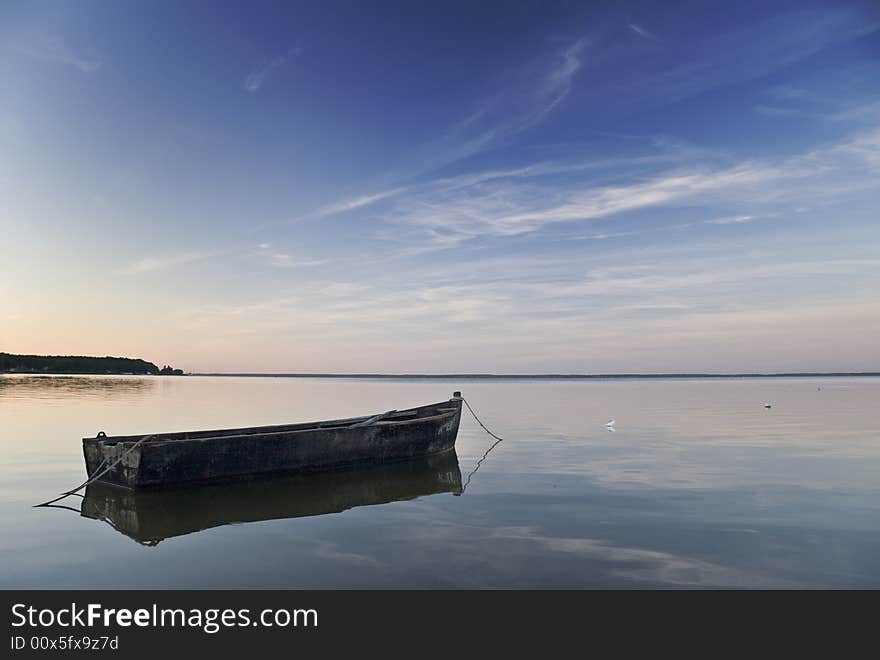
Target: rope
[[498, 441], [479, 422], [98, 472]]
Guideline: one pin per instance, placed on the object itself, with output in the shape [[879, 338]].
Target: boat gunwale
[[271, 430], [159, 441]]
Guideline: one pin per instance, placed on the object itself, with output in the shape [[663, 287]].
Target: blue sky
[[519, 187]]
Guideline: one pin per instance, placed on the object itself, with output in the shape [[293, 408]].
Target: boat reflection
[[150, 516]]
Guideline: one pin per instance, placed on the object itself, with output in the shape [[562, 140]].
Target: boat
[[151, 515], [161, 459]]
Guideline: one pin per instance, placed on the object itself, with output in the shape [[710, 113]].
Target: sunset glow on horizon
[[534, 188]]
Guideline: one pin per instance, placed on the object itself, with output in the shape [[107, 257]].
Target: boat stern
[[102, 451]]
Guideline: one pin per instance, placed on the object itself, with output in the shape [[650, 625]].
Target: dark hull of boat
[[171, 458], [151, 515]]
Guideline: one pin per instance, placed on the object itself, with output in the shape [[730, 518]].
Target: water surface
[[698, 486]]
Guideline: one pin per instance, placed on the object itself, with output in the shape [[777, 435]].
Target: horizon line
[[548, 375]]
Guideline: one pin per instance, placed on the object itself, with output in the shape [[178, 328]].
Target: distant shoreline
[[10, 363], [859, 374], [693, 376]]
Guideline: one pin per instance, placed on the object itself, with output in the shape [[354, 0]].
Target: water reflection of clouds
[[699, 465], [333, 552], [527, 556], [640, 565]]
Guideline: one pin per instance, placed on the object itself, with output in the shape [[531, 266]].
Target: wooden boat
[[137, 461], [150, 515]]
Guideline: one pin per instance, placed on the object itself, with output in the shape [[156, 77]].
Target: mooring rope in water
[[479, 422], [498, 441], [98, 472]]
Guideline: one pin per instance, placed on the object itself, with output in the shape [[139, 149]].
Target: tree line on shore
[[80, 364]]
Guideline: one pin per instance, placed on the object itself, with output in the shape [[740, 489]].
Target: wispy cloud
[[256, 78], [681, 304], [776, 111], [731, 219], [166, 261], [357, 202], [522, 200], [506, 208], [694, 276], [642, 32], [526, 100], [521, 102], [54, 49], [559, 81], [463, 181], [721, 59], [606, 235], [263, 254], [787, 92], [281, 260], [442, 213], [867, 110]]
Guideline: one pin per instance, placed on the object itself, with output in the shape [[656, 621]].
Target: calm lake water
[[698, 486]]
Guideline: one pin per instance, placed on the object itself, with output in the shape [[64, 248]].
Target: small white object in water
[[767, 405], [610, 422]]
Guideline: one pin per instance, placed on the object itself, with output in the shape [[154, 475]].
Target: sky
[[426, 187]]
